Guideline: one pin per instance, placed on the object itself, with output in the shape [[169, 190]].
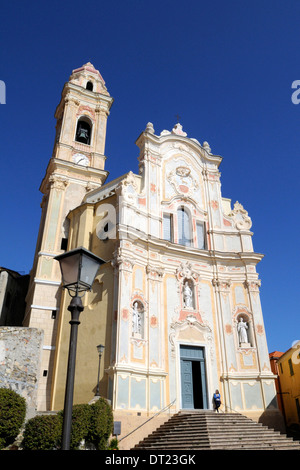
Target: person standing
[[217, 400]]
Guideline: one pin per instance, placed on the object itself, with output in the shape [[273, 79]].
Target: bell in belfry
[[83, 132]]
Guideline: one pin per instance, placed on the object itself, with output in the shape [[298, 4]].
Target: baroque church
[[176, 302]]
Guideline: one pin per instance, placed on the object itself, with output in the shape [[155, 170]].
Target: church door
[[193, 377]]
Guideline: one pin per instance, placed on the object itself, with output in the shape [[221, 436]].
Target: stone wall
[[20, 358]]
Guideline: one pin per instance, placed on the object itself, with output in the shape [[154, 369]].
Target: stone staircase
[[208, 430]]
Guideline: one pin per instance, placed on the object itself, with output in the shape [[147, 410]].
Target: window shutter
[[200, 236], [167, 229], [184, 229]]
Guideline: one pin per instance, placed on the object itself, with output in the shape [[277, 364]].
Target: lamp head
[[100, 349], [78, 268]]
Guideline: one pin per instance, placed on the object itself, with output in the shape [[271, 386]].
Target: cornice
[[225, 232], [83, 92], [250, 376], [174, 249], [132, 370], [71, 172]]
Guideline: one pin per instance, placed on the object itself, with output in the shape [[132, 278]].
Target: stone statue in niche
[[242, 328], [187, 296], [136, 319]]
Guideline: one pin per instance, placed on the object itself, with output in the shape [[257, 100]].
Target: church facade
[[176, 303]]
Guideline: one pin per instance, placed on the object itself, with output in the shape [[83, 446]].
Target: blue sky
[[226, 68]]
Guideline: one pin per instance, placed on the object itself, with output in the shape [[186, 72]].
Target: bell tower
[[81, 121], [76, 167]]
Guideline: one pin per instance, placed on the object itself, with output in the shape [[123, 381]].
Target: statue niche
[[188, 295], [243, 332], [138, 320]]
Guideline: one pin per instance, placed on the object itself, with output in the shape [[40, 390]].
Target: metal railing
[[147, 421]]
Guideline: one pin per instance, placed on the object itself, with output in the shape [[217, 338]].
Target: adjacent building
[[274, 356], [288, 369], [13, 290]]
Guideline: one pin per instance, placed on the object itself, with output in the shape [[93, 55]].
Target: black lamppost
[[100, 349], [78, 268]]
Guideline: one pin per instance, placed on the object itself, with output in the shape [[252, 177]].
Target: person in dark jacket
[[217, 400]]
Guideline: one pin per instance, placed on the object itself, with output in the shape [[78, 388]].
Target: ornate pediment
[[191, 330], [186, 271], [240, 217], [127, 188]]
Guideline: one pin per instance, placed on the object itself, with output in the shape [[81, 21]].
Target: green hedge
[[12, 416], [81, 416], [43, 432], [91, 423], [101, 425]]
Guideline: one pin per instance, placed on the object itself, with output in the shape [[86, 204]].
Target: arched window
[[83, 131], [184, 227], [89, 86]]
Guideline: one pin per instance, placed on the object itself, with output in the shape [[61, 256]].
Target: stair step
[[209, 430], [233, 439], [200, 431], [233, 445]]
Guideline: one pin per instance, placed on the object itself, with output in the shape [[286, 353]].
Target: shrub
[[101, 424], [81, 416], [43, 432], [91, 423], [12, 416], [114, 444]]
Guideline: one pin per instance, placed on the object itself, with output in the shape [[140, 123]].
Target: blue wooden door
[[203, 382], [187, 384], [193, 377]]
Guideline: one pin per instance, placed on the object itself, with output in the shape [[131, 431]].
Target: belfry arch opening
[[83, 131], [89, 86]]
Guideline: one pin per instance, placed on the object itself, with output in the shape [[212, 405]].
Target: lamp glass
[[78, 268], [69, 268], [100, 349], [88, 271]]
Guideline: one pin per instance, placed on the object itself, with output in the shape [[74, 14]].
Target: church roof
[[275, 354], [106, 190], [89, 67]]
